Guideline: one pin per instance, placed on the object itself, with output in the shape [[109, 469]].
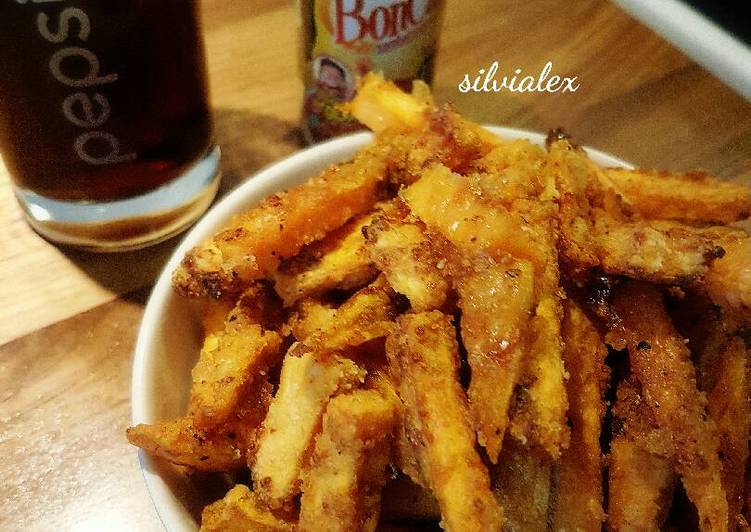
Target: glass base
[[128, 224]]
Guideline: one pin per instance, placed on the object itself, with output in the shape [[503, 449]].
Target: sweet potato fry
[[367, 315], [486, 236], [728, 280], [177, 441], [229, 365], [424, 360], [225, 447], [539, 416], [403, 455], [397, 245], [234, 360], [342, 485], [723, 373], [420, 133], [254, 243], [476, 218], [641, 485], [446, 203], [521, 484], [512, 170], [641, 476], [542, 421], [213, 315], [240, 511], [512, 178], [572, 174], [693, 198], [599, 229], [661, 362], [309, 316], [577, 496], [729, 405], [381, 105], [496, 301], [337, 261], [294, 418], [658, 251]]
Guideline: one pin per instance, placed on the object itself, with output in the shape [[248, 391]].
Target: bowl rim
[[171, 512]]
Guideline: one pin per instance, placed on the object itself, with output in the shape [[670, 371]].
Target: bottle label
[[345, 39]]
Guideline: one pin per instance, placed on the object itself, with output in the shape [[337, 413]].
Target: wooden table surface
[[68, 320]]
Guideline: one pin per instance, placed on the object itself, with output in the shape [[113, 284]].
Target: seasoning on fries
[[480, 326]]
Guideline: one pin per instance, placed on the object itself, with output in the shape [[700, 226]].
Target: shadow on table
[[249, 142]]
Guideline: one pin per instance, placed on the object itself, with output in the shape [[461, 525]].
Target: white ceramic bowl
[[169, 339]]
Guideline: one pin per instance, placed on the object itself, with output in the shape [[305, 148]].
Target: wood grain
[[68, 319], [65, 407]]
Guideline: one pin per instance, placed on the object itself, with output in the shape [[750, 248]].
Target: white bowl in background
[[713, 46], [169, 338]]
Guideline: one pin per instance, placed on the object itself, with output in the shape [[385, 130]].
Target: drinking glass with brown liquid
[[104, 120]]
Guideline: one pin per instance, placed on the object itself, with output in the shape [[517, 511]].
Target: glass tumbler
[[105, 126]]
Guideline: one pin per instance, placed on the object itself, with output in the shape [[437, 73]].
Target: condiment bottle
[[344, 39]]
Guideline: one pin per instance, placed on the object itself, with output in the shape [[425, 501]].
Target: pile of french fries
[[458, 328]]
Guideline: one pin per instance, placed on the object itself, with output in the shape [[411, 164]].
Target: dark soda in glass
[[103, 101]]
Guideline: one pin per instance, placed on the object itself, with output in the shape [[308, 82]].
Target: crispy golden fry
[[229, 365], [512, 170], [426, 133], [177, 441], [230, 391], [472, 214], [641, 485], [693, 198], [226, 447], [403, 455], [397, 245], [540, 414], [446, 203], [381, 105], [728, 281], [482, 228], [254, 243], [214, 314], [729, 406], [337, 261], [234, 360], [309, 316], [241, 511], [294, 418], [521, 483], [658, 251], [512, 177], [572, 175], [496, 301], [660, 360], [342, 485], [599, 229], [424, 360], [436, 136], [577, 491], [367, 315], [641, 477], [723, 372]]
